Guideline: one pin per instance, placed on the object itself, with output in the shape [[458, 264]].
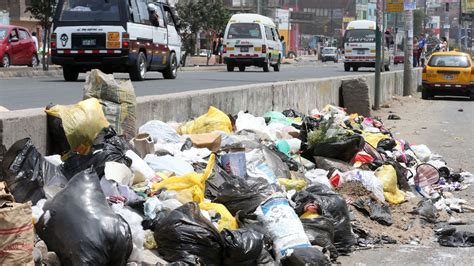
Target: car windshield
[[362, 35], [3, 34], [89, 10], [244, 31], [329, 50], [449, 61]]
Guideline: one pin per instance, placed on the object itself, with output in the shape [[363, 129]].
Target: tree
[[208, 16], [43, 11], [418, 18]]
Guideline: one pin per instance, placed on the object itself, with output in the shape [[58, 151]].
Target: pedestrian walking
[[220, 47], [416, 53], [35, 39], [421, 50], [444, 44], [283, 47]]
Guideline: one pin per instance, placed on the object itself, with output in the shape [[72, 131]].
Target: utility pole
[[378, 52], [460, 26], [408, 62], [259, 7]]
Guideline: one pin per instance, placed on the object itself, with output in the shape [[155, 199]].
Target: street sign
[[394, 6], [409, 5]]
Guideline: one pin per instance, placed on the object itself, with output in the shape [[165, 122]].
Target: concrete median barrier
[[302, 95]]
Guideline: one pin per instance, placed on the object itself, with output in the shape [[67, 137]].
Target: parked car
[[448, 73], [17, 47], [399, 58], [329, 54]]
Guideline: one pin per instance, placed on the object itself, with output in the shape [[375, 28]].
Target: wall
[[302, 95]]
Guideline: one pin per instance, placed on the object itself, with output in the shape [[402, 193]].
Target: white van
[[359, 46], [252, 40], [133, 36]]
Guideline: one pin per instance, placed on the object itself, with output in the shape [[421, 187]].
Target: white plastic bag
[[139, 166], [422, 152], [169, 163], [368, 180], [318, 176], [247, 121], [283, 224], [160, 131]]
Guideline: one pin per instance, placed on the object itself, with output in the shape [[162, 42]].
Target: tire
[[471, 96], [230, 67], [276, 67], [70, 73], [324, 61], [355, 69], [242, 68], [347, 67], [138, 70], [266, 66], [34, 61], [6, 61], [171, 71], [426, 94]]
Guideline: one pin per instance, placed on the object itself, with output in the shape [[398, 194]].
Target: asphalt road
[[22, 93]]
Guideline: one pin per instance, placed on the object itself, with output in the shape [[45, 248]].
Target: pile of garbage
[[221, 189]]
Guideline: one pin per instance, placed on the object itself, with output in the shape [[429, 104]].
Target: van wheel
[[171, 71], [70, 73], [276, 67], [266, 66], [6, 61], [230, 67], [241, 68], [355, 69], [138, 71], [347, 67]]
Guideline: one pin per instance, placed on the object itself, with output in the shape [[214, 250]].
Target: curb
[[28, 72]]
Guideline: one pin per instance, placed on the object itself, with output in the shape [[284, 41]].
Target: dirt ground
[[446, 126]]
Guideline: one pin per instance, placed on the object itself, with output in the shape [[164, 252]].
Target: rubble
[[287, 187]]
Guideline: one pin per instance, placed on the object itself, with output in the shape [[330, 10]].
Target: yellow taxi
[[448, 73]]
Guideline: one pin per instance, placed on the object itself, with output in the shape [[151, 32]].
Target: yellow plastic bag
[[388, 176], [289, 184], [227, 221], [213, 120], [82, 123], [192, 183], [374, 138]]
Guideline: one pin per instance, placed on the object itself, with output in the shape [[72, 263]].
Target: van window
[[3, 33], [161, 17], [276, 36], [268, 33], [244, 31], [360, 35], [90, 10], [169, 18], [143, 10]]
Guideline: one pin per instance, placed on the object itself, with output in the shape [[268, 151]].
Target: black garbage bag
[[331, 164], [292, 113], [453, 238], [28, 175], [58, 143], [107, 147], [343, 150], [365, 239], [242, 246], [320, 232], [426, 210], [82, 228], [185, 234], [377, 211], [306, 256], [333, 207], [290, 162], [387, 144], [236, 193]]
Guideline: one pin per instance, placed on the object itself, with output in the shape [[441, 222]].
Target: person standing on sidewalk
[[421, 50], [444, 45], [283, 47]]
